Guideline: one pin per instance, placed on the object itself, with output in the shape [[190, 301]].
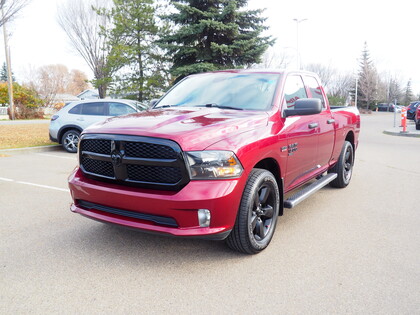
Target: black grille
[[135, 161], [101, 168], [149, 151], [97, 146], [156, 174]]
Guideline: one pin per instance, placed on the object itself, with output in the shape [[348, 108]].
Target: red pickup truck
[[215, 156]]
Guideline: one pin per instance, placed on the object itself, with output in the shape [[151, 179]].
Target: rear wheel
[[257, 214], [344, 166], [70, 140]]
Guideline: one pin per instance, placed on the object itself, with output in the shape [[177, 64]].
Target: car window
[[97, 109], [294, 90], [76, 109], [315, 89], [117, 109]]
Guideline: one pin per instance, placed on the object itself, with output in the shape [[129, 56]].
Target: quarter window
[[76, 109]]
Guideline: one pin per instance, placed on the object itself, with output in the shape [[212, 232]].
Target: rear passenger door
[[326, 122], [92, 112]]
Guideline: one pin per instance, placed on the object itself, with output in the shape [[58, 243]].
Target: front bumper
[[138, 208]]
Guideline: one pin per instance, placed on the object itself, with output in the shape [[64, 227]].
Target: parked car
[[383, 107], [215, 155], [411, 109], [417, 117], [67, 124]]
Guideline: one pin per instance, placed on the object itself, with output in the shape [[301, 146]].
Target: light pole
[[297, 41]]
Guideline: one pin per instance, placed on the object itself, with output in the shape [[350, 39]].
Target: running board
[[309, 190]]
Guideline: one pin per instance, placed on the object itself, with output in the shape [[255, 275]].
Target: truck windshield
[[252, 91]]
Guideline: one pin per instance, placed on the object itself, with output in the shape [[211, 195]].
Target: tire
[[257, 214], [70, 140], [418, 125], [344, 166]]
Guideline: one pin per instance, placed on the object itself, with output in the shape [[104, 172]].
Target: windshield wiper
[[219, 106]]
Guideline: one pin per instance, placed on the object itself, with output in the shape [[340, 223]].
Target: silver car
[[67, 124]]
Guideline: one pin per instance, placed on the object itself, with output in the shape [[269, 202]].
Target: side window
[[315, 89], [294, 90], [97, 109], [117, 109], [76, 109]]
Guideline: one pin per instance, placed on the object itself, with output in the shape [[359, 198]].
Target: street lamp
[[297, 41]]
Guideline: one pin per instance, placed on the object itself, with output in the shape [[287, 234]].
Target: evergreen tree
[[3, 74], [214, 34], [368, 78], [133, 49]]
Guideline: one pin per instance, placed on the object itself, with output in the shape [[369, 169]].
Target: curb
[[402, 134], [45, 148]]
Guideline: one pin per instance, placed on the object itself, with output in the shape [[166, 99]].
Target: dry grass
[[24, 135]]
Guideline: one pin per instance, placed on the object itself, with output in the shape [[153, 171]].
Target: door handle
[[313, 125], [330, 121]]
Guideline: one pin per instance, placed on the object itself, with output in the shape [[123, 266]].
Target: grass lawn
[[24, 135]]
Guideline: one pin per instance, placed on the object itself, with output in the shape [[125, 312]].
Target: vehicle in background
[[411, 109], [216, 156], [417, 118], [383, 107], [67, 124]]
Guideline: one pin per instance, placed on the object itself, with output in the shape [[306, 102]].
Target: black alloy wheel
[[344, 166], [257, 215]]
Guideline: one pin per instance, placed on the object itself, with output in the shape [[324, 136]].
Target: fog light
[[204, 217]]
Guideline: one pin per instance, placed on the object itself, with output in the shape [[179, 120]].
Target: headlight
[[213, 164]]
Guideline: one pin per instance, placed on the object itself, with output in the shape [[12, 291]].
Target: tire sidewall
[[264, 178], [76, 133], [345, 180]]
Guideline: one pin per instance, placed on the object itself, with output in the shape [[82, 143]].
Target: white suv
[[67, 124]]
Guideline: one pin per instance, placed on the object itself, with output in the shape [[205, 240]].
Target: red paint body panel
[[254, 136]]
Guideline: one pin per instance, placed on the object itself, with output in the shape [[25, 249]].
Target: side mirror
[[305, 106], [153, 102]]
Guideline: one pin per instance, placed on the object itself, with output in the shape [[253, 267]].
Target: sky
[[333, 34]]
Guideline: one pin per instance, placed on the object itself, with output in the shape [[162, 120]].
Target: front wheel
[[343, 167], [257, 214], [70, 140]]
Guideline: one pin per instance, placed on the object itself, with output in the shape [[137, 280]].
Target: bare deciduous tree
[[341, 85], [85, 29], [50, 80], [9, 9], [325, 72], [274, 57]]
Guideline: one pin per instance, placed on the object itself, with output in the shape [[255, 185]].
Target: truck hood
[[191, 128]]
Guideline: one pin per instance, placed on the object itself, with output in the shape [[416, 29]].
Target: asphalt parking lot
[[343, 251]]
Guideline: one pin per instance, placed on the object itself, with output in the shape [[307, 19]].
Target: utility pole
[[297, 42], [9, 71]]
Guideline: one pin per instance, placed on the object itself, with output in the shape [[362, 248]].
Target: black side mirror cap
[[305, 106]]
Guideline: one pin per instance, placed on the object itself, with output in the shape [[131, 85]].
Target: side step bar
[[308, 191]]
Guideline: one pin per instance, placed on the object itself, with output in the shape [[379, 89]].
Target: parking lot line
[[57, 156], [35, 185]]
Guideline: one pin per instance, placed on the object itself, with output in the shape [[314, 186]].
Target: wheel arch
[[271, 165], [350, 138], [64, 129]]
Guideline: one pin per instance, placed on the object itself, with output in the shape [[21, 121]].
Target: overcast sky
[[333, 34]]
